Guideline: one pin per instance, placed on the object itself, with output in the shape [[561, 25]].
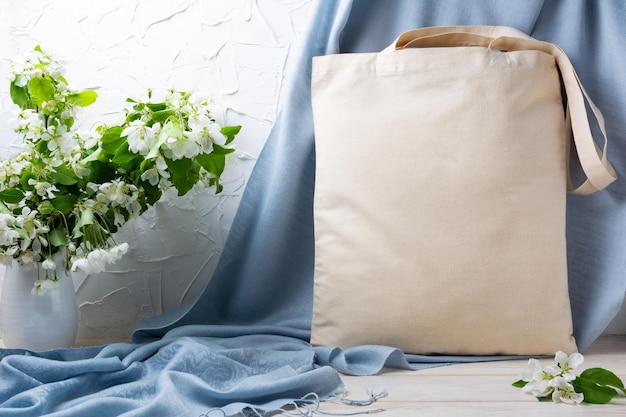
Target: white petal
[[575, 360], [560, 357]]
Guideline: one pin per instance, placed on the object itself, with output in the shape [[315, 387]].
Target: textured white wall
[[234, 50]]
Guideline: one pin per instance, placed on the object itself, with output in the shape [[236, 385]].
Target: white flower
[[553, 380], [42, 286], [205, 131], [8, 236], [92, 186], [117, 252], [80, 264], [565, 364], [49, 105], [181, 148], [6, 220], [33, 227], [96, 260], [198, 120], [537, 378], [31, 124], [27, 257], [140, 137], [154, 174], [48, 264], [174, 99], [43, 188], [89, 138], [118, 193], [564, 391], [35, 73], [118, 219], [38, 288], [80, 170]]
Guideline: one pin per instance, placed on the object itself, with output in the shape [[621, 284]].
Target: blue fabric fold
[[244, 341], [265, 275]]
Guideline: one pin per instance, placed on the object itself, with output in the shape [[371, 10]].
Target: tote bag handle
[[593, 160]]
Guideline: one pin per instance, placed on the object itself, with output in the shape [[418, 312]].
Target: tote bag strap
[[593, 160]]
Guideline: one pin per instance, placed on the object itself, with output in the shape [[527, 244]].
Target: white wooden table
[[480, 389]]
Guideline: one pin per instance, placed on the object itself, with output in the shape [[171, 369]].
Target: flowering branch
[[559, 383], [66, 194]]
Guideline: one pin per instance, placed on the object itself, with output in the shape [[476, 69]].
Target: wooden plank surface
[[480, 389]]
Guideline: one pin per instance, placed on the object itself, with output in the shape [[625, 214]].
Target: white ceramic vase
[[37, 322]]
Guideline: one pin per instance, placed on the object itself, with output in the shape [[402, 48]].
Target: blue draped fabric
[[244, 341]]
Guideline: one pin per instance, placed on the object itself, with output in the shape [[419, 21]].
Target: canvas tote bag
[[442, 165]]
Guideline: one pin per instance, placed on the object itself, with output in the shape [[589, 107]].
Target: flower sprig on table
[[559, 382], [63, 197]]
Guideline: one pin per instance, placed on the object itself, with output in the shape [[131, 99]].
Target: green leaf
[[152, 193], [213, 163], [41, 90], [100, 172], [11, 195], [156, 106], [69, 122], [26, 176], [65, 175], [131, 117], [220, 150], [86, 218], [161, 115], [58, 237], [83, 98], [183, 174], [64, 203], [603, 377], [19, 95], [230, 132], [125, 159], [42, 147], [520, 384], [146, 164], [594, 393], [111, 139]]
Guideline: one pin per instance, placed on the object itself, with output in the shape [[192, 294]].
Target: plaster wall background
[[234, 50]]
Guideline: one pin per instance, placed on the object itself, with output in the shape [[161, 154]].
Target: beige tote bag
[[439, 208]]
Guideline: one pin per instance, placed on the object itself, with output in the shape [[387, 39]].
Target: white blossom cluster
[[47, 145], [37, 125], [555, 380], [65, 195], [175, 141]]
